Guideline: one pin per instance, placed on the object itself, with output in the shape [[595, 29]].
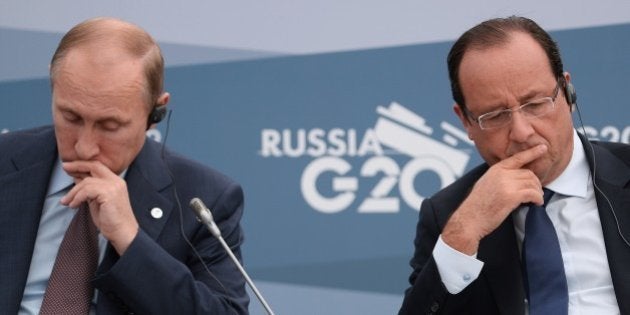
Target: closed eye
[[110, 125], [71, 117]]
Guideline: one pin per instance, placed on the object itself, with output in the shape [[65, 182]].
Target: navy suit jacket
[[158, 274], [499, 287]]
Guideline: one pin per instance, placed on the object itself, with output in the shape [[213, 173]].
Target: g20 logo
[[399, 129], [608, 133], [380, 199]]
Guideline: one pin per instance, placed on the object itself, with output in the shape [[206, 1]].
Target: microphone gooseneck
[[205, 216]]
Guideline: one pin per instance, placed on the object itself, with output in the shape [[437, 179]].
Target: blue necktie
[[545, 280]]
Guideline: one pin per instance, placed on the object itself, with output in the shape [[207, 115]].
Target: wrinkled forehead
[[101, 69]]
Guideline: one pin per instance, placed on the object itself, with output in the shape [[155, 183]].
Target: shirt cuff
[[457, 270]]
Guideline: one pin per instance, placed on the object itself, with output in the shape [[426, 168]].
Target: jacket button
[[435, 307]]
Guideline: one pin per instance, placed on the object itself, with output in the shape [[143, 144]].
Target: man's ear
[[567, 77], [569, 91], [159, 111], [163, 99]]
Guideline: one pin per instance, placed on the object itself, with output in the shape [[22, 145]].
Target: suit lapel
[[144, 197], [500, 255], [21, 200], [613, 197], [617, 250], [148, 184]]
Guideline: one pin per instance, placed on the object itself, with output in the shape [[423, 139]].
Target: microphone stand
[[205, 216]]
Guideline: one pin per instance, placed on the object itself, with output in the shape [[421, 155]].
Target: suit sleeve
[[427, 294], [167, 277]]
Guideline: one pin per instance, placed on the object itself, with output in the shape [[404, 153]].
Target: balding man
[[151, 255]]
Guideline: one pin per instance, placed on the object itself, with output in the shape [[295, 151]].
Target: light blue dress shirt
[[53, 224]]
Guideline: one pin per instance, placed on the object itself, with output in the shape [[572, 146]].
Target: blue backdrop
[[334, 150]]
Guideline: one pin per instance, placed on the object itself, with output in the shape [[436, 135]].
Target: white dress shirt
[[573, 212]]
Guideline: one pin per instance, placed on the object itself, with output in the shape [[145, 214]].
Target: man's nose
[[520, 127], [86, 146]]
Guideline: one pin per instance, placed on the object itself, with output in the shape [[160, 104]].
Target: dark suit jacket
[[499, 287], [158, 274]]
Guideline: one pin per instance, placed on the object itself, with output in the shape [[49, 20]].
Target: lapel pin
[[156, 213]]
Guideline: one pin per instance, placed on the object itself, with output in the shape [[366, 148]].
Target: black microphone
[[205, 216]]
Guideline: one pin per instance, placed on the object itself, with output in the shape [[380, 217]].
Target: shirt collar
[[59, 179], [573, 180]]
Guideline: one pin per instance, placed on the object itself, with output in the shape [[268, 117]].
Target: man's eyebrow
[[531, 95], [63, 107]]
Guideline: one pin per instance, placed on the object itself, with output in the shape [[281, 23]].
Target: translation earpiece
[[157, 114], [570, 94]]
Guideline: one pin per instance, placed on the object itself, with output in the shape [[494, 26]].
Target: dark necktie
[[69, 288], [545, 280]]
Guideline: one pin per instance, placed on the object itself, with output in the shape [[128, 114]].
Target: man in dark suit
[[155, 258], [515, 101]]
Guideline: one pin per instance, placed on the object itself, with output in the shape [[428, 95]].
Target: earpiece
[[569, 93], [157, 114]]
